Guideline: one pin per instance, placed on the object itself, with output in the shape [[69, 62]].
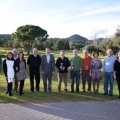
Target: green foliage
[[27, 35]]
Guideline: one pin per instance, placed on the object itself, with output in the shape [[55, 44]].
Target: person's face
[[20, 55], [95, 55], [47, 51], [62, 54], [109, 52], [35, 52], [9, 56], [14, 53], [75, 52], [86, 53], [119, 55]]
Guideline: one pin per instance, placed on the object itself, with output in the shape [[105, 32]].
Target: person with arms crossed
[[34, 62]]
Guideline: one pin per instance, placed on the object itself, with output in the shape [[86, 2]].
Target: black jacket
[[17, 64], [5, 67], [34, 62], [66, 63], [117, 68]]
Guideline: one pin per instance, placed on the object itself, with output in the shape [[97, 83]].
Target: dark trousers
[[15, 84], [47, 76], [118, 82], [21, 85], [75, 74], [86, 76], [36, 73]]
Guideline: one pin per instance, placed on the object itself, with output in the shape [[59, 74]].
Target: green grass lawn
[[53, 96]]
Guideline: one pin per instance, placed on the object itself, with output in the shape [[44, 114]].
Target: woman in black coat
[[20, 71], [117, 71]]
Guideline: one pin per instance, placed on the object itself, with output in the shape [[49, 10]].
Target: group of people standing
[[86, 67]]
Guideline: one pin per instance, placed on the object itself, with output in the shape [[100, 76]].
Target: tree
[[28, 34], [59, 45]]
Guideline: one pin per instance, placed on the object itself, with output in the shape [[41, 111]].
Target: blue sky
[[62, 18]]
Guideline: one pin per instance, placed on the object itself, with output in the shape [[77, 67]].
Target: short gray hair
[[85, 51], [14, 50]]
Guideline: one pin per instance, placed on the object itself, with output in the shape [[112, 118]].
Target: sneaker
[[105, 94], [110, 94]]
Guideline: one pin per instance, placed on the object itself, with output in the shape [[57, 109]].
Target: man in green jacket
[[76, 65]]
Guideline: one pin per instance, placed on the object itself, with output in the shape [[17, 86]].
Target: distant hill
[[96, 42], [6, 36], [78, 38]]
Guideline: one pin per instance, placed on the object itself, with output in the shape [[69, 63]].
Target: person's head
[[47, 50], [75, 52], [62, 53], [35, 51], [10, 56], [109, 52], [118, 54], [21, 55], [14, 52], [85, 52], [95, 54]]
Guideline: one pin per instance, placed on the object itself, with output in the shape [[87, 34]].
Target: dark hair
[[95, 53], [117, 54], [11, 54], [22, 54]]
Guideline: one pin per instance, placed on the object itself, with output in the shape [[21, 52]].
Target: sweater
[[86, 63], [64, 63], [108, 64], [76, 63], [34, 62]]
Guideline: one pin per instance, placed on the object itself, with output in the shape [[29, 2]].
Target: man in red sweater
[[86, 60]]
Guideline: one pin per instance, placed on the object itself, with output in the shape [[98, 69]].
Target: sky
[[62, 18]]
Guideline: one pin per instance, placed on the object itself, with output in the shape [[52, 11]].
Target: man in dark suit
[[34, 62], [47, 68]]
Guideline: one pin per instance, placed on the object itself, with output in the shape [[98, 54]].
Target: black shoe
[[110, 94], [72, 91], [6, 92], [119, 97], [31, 91], [105, 94], [9, 94]]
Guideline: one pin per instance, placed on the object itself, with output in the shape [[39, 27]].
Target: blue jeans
[[108, 78], [75, 74]]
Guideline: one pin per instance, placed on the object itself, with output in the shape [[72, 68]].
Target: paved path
[[89, 110]]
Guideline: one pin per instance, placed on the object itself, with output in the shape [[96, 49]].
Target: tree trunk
[[28, 52]]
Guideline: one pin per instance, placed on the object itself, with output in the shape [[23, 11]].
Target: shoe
[[77, 91], [65, 90], [72, 91], [110, 94], [89, 91], [9, 94], [105, 94], [96, 91], [119, 97], [31, 91], [83, 90], [6, 92]]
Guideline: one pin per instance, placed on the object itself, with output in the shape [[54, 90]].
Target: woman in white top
[[8, 67]]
